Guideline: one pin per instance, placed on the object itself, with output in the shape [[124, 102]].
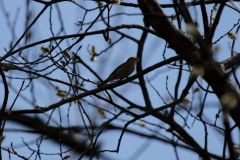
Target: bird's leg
[[120, 80]]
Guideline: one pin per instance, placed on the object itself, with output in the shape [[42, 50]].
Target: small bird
[[122, 71]]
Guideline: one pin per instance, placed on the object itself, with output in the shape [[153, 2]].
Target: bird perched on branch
[[122, 71]]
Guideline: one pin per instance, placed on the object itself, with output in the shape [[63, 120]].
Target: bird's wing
[[111, 76], [115, 70]]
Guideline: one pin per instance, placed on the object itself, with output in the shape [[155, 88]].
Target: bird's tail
[[103, 83]]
